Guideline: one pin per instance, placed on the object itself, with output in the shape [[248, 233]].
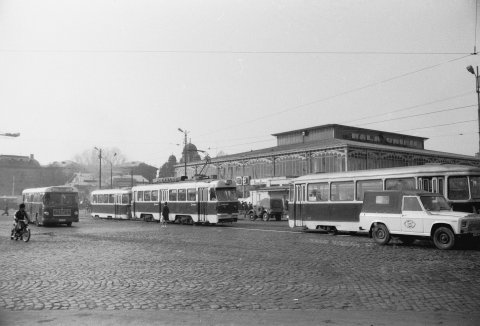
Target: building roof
[[334, 125]]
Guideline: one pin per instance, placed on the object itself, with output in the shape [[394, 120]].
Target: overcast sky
[[127, 74]]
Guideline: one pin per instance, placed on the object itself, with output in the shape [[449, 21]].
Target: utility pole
[[100, 167], [184, 149], [477, 86]]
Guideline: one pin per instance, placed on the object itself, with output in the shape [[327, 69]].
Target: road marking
[[237, 228]]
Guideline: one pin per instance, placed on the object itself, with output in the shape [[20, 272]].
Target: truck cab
[[409, 215]]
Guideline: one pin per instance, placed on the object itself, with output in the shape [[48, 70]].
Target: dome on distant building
[[192, 153]]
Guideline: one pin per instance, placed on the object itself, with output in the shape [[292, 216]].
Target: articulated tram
[[196, 201], [111, 203], [333, 201]]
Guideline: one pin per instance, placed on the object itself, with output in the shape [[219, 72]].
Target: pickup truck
[[415, 214], [266, 209]]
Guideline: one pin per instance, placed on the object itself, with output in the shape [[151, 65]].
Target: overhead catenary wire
[[356, 89]]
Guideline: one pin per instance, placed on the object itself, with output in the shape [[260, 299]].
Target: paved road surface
[[131, 272]]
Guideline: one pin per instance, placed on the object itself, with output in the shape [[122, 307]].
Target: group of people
[[244, 206]]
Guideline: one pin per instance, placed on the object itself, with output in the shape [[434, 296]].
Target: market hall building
[[327, 148]]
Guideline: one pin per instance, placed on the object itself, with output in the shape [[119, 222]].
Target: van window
[[411, 204]]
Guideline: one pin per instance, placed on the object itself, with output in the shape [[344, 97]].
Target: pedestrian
[[164, 217]]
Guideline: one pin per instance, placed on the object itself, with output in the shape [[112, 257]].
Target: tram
[[333, 201], [194, 201], [111, 203]]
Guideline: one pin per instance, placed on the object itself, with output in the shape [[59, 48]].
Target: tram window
[[411, 204], [172, 195], [146, 195], [475, 187], [191, 195], [400, 184], [212, 194], [125, 199], [182, 196], [94, 199], [367, 185], [111, 199], [318, 191], [139, 195], [457, 188], [154, 196], [341, 191], [440, 186]]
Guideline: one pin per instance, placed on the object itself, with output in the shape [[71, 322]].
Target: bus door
[[298, 203], [202, 204]]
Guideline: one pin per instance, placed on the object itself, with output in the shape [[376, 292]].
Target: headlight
[[46, 213], [464, 224]]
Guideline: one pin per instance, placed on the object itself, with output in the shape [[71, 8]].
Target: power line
[[420, 114], [231, 52], [409, 107], [434, 126], [337, 95]]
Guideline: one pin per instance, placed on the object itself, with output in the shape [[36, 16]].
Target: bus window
[[367, 185], [182, 195], [317, 191], [61, 199], [191, 195], [341, 191], [400, 184], [475, 187], [154, 196], [457, 188], [146, 196], [172, 195]]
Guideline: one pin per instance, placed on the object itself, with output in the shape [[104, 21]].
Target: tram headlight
[[46, 213]]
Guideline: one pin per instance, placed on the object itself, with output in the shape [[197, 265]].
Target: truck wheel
[[380, 234], [265, 216], [443, 238]]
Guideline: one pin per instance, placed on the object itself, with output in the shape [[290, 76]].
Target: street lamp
[[477, 85], [100, 166], [10, 134], [184, 149], [111, 170]]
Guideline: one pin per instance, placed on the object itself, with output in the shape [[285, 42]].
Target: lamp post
[[100, 167], [477, 85], [111, 170], [185, 132]]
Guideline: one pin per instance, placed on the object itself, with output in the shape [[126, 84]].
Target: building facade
[[327, 148]]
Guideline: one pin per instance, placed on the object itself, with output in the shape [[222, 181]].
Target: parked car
[[267, 208]]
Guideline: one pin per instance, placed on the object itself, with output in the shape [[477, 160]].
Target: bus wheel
[[443, 238], [380, 234], [265, 216]]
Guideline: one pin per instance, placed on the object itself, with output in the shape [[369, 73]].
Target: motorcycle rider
[[21, 220]]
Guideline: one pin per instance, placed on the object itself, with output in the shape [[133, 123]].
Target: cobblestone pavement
[[103, 265]]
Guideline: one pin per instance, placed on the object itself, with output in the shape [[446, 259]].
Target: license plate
[[62, 220]]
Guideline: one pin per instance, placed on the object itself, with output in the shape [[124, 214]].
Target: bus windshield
[[56, 199], [435, 203], [226, 194]]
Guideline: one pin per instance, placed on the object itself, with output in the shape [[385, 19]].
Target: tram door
[[298, 204], [117, 201], [202, 204], [432, 184]]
